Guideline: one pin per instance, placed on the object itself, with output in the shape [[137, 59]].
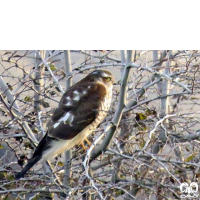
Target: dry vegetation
[[147, 146]]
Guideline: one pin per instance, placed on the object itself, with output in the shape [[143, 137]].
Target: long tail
[[31, 162], [44, 144]]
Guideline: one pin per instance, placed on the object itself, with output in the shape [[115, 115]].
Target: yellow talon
[[83, 146], [89, 143]]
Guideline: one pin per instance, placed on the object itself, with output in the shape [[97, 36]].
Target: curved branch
[[118, 114]]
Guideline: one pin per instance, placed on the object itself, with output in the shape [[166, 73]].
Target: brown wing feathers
[[81, 113], [79, 107]]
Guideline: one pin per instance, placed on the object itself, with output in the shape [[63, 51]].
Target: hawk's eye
[[107, 79]]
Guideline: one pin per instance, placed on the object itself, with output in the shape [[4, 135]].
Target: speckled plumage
[[81, 109]]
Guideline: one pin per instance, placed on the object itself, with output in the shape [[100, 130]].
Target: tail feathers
[[31, 162]]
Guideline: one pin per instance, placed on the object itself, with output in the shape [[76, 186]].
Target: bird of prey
[[81, 109]]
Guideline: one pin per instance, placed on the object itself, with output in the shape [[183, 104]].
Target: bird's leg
[[89, 143], [83, 146]]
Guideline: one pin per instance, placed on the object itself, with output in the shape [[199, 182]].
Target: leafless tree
[[145, 148]]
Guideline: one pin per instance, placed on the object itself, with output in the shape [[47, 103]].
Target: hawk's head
[[101, 76]]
